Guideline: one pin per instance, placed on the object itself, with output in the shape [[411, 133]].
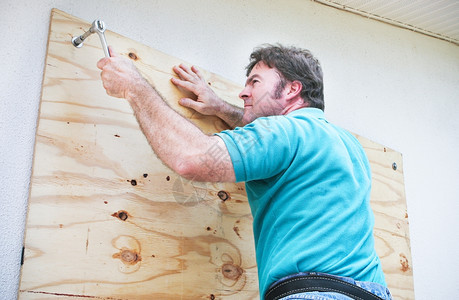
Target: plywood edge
[[37, 124]]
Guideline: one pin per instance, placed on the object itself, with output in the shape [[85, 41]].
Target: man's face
[[261, 95]]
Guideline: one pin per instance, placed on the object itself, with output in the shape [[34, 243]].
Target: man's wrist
[[232, 115], [223, 110]]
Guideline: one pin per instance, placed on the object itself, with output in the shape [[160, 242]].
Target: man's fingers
[[182, 72], [186, 73], [184, 84], [102, 62], [197, 72], [112, 52], [190, 103]]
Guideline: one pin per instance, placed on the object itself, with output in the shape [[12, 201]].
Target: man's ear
[[294, 89]]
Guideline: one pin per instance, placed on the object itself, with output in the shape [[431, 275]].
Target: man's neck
[[294, 107]]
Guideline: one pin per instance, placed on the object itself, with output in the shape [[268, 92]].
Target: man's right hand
[[207, 103]]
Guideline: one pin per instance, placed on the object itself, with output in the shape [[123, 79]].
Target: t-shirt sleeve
[[259, 150]]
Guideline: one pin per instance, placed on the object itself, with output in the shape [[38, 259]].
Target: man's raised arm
[[178, 143]]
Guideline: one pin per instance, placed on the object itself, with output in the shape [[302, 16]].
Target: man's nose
[[245, 93]]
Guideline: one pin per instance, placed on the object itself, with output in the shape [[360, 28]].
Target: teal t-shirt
[[308, 183]]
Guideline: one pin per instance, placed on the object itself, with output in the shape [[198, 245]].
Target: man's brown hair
[[293, 64]]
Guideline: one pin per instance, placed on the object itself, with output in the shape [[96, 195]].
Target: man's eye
[[255, 81]]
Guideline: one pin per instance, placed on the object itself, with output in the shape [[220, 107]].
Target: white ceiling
[[436, 18]]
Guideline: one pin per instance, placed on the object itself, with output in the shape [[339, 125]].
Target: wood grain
[[107, 220], [391, 218]]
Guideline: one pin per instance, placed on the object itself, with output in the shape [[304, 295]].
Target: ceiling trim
[[387, 20]]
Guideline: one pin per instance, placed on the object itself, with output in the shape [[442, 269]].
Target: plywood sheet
[[107, 220]]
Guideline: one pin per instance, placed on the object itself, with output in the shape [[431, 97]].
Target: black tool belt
[[318, 283]]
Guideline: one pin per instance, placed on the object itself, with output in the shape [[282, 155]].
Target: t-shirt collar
[[309, 111]]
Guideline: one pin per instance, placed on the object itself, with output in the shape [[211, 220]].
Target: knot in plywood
[[122, 215], [404, 262], [223, 195], [133, 56], [232, 271], [128, 254], [129, 257]]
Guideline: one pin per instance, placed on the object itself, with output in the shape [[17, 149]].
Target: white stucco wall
[[393, 86]]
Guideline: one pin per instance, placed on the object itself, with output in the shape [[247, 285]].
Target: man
[[308, 181]]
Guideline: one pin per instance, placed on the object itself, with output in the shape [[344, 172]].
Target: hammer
[[98, 27]]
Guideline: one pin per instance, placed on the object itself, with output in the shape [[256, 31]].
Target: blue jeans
[[375, 288]]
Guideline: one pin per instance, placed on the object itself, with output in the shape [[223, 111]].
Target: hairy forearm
[[177, 142]]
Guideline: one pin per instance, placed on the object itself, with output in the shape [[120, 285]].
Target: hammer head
[[97, 26]]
